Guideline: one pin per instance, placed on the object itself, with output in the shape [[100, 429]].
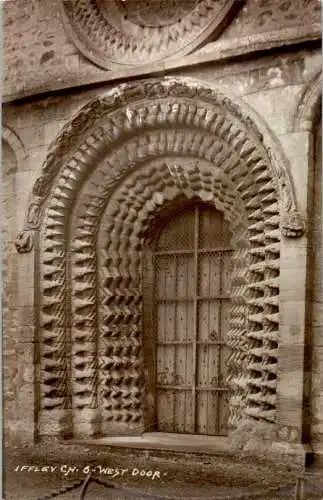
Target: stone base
[[83, 424], [19, 433], [262, 440], [121, 429]]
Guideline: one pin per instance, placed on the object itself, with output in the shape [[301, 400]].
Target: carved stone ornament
[[292, 225], [33, 214], [136, 32], [24, 242]]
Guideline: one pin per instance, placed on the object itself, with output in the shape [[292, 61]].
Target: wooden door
[[192, 268]]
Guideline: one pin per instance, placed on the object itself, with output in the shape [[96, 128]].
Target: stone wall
[[270, 86], [39, 55], [317, 297]]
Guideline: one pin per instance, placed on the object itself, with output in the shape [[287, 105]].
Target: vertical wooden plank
[[181, 273], [181, 321], [191, 268], [170, 320], [202, 381], [170, 282], [190, 375], [202, 366], [226, 273], [215, 274], [184, 314], [160, 319], [225, 233], [167, 377], [225, 317], [201, 414], [161, 267], [213, 369], [218, 395], [180, 408], [170, 396], [170, 351], [161, 412], [212, 310], [170, 360], [212, 412], [161, 369], [223, 360], [189, 423], [181, 365], [162, 378], [203, 320], [223, 413], [224, 328], [204, 275], [149, 341], [213, 365], [180, 379], [195, 306], [165, 417]]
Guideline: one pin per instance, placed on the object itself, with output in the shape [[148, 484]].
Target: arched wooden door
[[191, 299]]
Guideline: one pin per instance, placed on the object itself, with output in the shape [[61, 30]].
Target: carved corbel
[[292, 224], [25, 241]]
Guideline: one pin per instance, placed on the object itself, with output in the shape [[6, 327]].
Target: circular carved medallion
[[156, 13], [136, 32]]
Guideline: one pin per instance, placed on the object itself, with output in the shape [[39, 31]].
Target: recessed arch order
[[107, 175]]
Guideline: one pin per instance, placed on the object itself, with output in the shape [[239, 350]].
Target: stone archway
[[308, 103], [105, 179], [15, 144]]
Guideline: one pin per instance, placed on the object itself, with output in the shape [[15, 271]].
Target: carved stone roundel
[[156, 13], [136, 32]]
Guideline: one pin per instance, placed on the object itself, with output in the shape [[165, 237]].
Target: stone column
[[293, 334], [20, 345]]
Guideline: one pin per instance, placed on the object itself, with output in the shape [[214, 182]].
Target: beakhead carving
[[138, 148]]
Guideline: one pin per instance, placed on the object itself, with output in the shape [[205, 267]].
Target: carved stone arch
[[15, 144], [113, 33], [309, 103], [125, 152], [70, 141]]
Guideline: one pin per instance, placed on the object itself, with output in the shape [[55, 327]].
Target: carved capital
[[292, 224], [24, 241]]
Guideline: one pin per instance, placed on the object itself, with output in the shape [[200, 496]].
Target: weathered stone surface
[[116, 33], [51, 60], [86, 175], [316, 306], [253, 170]]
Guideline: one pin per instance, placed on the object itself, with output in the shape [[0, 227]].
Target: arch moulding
[[308, 103], [106, 177], [15, 144]]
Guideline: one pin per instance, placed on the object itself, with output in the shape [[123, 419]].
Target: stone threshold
[[164, 442]]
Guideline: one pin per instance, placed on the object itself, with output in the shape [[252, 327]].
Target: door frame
[[149, 316]]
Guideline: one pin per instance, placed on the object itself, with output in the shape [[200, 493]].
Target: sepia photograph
[[162, 258]]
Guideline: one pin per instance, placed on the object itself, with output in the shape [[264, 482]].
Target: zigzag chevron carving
[[138, 150]]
